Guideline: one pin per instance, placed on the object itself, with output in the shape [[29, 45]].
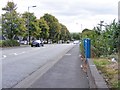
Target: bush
[[9, 43], [110, 74], [82, 49], [94, 51], [0, 43]]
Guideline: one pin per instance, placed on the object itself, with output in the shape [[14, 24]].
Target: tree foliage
[[105, 42], [44, 28], [76, 36], [27, 26], [12, 24]]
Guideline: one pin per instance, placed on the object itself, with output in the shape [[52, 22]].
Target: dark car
[[37, 43]]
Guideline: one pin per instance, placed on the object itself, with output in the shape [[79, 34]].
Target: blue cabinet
[[87, 47]]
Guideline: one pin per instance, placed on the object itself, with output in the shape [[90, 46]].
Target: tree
[[12, 24], [44, 29], [54, 27], [76, 36], [32, 24], [55, 31], [63, 32], [68, 36]]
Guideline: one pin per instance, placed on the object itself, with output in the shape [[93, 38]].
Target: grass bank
[[109, 71]]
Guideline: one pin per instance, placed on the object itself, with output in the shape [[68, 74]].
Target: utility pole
[[28, 25]]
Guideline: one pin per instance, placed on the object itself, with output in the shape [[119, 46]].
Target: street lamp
[[101, 24], [28, 24]]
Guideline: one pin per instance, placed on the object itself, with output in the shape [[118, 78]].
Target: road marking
[[3, 56], [43, 47], [68, 54], [21, 53], [15, 54]]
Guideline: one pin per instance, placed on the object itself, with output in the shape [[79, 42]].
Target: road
[[20, 63]]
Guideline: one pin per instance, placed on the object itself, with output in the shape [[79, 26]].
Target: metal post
[[28, 25]]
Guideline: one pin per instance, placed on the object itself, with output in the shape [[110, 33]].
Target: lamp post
[[28, 24], [101, 24]]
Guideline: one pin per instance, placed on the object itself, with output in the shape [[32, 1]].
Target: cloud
[[70, 12], [77, 7]]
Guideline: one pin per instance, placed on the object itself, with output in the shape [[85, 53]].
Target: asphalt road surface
[[20, 63], [66, 73]]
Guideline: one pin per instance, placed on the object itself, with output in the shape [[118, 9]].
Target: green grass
[[109, 73]]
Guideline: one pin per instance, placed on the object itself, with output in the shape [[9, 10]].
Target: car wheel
[[42, 45], [38, 45], [31, 45]]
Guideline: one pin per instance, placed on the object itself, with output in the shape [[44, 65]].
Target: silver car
[[37, 43]]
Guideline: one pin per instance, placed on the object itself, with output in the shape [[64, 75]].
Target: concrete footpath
[[66, 73]]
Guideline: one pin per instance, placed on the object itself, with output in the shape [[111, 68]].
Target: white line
[[4, 56], [15, 54], [21, 53], [68, 54], [43, 47]]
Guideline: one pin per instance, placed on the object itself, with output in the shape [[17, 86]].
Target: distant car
[[68, 41], [76, 42], [37, 43], [24, 42]]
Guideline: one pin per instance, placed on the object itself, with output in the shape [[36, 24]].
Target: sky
[[76, 15]]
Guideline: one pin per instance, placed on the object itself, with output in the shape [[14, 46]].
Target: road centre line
[[15, 53]]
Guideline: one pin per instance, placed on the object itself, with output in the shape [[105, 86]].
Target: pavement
[[66, 73]]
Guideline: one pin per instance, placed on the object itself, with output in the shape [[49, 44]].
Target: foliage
[[0, 43], [57, 31], [82, 51], [104, 42], [9, 43], [12, 24], [44, 28], [76, 36], [26, 24], [32, 24]]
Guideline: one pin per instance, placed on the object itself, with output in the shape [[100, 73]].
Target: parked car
[[37, 43], [68, 41], [24, 42]]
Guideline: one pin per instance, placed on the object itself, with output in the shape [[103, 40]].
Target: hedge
[[9, 43]]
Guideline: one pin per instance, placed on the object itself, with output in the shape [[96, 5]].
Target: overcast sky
[[75, 14]]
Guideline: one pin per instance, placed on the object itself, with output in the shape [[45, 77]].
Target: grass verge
[[108, 70]]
